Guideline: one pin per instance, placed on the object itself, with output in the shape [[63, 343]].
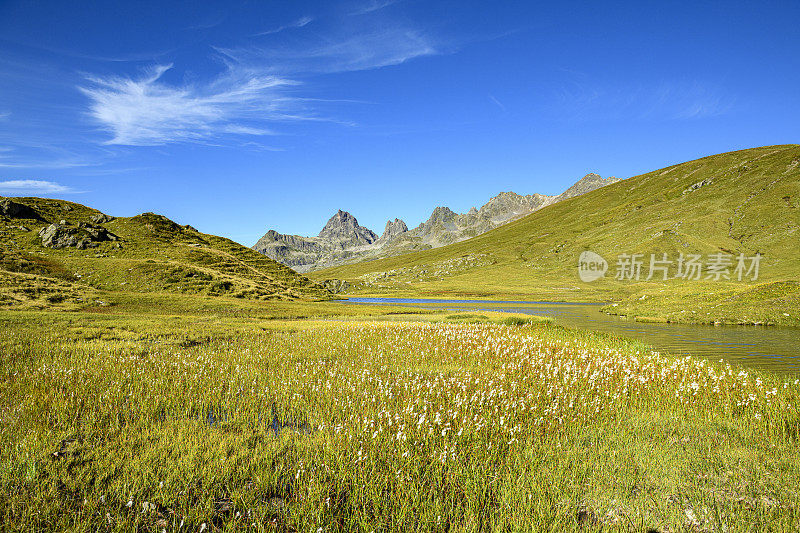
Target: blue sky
[[238, 117]]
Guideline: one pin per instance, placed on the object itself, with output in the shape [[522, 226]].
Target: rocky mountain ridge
[[343, 240]]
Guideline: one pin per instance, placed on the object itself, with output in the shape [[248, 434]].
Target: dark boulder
[[99, 234], [12, 209]]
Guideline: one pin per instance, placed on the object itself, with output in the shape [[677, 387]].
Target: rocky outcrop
[[101, 218], [12, 209], [336, 286], [343, 240], [82, 237]]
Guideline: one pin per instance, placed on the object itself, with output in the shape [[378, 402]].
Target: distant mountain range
[[344, 241]]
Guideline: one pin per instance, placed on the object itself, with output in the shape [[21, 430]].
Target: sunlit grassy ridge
[[738, 202], [153, 254], [134, 422]]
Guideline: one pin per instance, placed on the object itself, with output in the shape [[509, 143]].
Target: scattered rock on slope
[[101, 218], [82, 237]]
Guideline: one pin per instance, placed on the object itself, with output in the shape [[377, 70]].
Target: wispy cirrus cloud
[[258, 87], [382, 48], [665, 100], [34, 187], [366, 50], [372, 6], [684, 101], [31, 155], [299, 23], [497, 102], [146, 111], [50, 164]]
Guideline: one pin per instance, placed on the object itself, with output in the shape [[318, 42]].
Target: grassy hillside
[[147, 253], [738, 202]]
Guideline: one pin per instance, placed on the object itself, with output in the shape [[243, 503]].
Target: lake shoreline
[[772, 348]]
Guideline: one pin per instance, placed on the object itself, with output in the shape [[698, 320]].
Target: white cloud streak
[[669, 100], [299, 23], [148, 112], [371, 7], [54, 164], [375, 50], [31, 155], [33, 186], [497, 102], [689, 101], [362, 51]]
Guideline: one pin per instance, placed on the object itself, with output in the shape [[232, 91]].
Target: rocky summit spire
[[393, 229], [344, 227], [441, 214]]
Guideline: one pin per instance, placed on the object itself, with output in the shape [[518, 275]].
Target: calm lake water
[[770, 348]]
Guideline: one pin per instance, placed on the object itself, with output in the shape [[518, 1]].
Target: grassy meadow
[[187, 413]]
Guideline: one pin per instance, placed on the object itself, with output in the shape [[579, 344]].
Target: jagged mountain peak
[[592, 178], [338, 220], [393, 228], [344, 227], [441, 213], [509, 205], [506, 194], [588, 183]]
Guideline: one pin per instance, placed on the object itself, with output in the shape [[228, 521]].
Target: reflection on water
[[770, 348]]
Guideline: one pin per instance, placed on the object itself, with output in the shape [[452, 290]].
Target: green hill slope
[[744, 202], [58, 253]]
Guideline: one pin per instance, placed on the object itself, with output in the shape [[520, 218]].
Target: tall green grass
[[365, 425]]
